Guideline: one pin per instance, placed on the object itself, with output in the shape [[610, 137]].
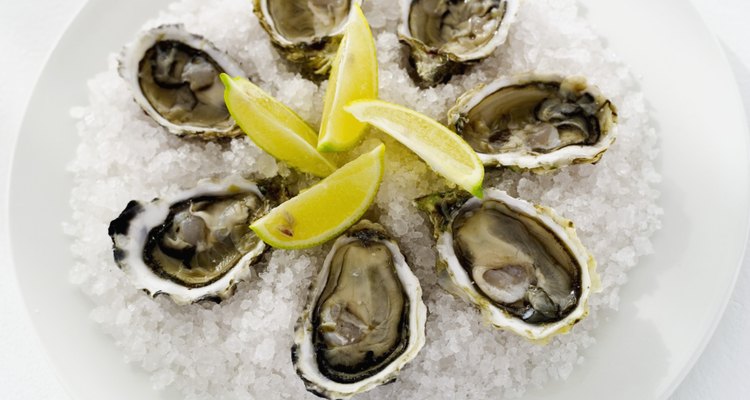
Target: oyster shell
[[306, 32], [196, 245], [522, 265], [445, 36], [174, 77], [535, 122], [364, 319]]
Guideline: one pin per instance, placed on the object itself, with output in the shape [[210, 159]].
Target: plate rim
[[711, 331]]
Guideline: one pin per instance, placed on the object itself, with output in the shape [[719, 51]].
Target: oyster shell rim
[[432, 66], [314, 56], [280, 40], [303, 353], [500, 36], [454, 278], [128, 250], [128, 68], [569, 155]]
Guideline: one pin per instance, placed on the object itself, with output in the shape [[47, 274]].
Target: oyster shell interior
[[517, 262], [173, 75], [445, 36], [305, 21], [196, 244], [364, 319], [306, 32], [538, 117], [457, 27], [203, 238], [360, 318], [522, 265], [182, 84]]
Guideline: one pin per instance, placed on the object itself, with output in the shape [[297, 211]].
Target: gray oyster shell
[[196, 245], [520, 264], [535, 122], [364, 319], [174, 76], [306, 33], [444, 36]]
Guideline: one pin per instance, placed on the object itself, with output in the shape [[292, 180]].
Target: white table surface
[[29, 31]]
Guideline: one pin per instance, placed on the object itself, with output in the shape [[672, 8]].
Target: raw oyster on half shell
[[522, 265], [535, 122], [444, 36], [197, 244], [364, 319], [174, 76], [306, 32]]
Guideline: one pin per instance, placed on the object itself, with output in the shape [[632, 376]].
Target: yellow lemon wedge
[[443, 150], [354, 75], [274, 127], [326, 209]]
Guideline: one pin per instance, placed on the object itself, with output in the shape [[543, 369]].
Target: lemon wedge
[[274, 127], [444, 151], [328, 208], [354, 75]]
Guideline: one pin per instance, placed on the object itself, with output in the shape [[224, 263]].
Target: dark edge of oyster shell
[[442, 207]]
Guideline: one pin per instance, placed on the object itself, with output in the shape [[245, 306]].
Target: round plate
[[668, 310]]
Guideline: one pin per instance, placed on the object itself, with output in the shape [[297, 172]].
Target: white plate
[[669, 308]]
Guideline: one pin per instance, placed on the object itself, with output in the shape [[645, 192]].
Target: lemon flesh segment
[[328, 208], [354, 76], [443, 150], [274, 127]]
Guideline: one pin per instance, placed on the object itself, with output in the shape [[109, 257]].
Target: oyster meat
[[174, 77], [536, 122], [522, 265], [364, 319], [306, 32], [196, 245], [444, 36]]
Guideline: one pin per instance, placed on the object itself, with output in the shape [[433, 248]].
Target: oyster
[[174, 77], [364, 319], [307, 32], [535, 122], [522, 265], [446, 35], [196, 245]]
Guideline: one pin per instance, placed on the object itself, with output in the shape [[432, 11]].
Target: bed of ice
[[239, 349]]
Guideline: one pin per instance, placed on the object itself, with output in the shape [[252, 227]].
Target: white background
[[29, 31]]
